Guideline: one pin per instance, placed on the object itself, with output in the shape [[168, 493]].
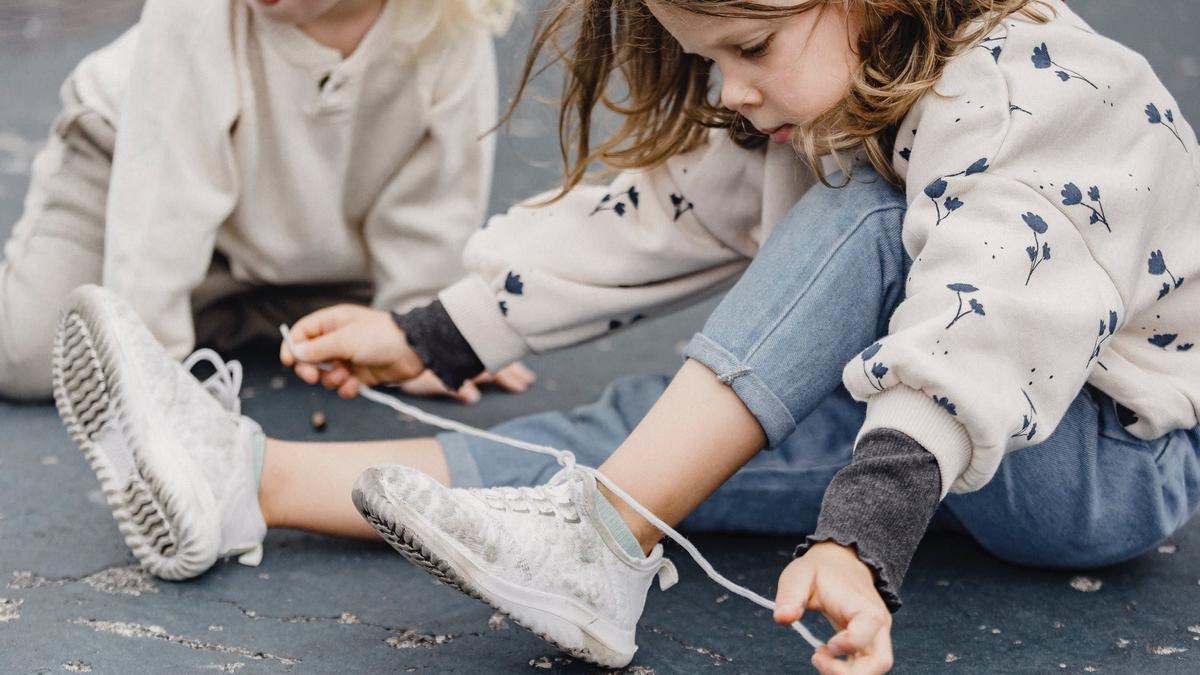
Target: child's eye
[[757, 50]]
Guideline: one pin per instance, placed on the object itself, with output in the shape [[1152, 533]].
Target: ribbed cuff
[[434, 337], [881, 505], [918, 416], [476, 313]]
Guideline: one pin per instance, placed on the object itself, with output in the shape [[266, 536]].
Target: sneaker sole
[[547, 619], [94, 398]]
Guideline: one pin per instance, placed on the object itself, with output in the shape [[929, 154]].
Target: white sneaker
[[175, 464], [540, 555]]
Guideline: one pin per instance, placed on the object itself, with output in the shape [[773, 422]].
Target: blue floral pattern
[[1041, 60], [1040, 251], [1107, 329], [618, 203], [937, 189], [993, 45], [1072, 196], [973, 305], [513, 284], [681, 204], [1162, 340], [878, 370], [1167, 119], [1028, 421], [946, 404], [1157, 265]]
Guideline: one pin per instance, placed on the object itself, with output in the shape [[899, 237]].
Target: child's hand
[[363, 345], [515, 378], [832, 580]]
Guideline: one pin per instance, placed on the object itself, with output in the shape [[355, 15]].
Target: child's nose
[[737, 95]]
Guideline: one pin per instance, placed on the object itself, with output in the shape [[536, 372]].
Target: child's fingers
[[349, 388], [308, 372], [827, 664], [320, 322], [285, 356], [523, 371], [325, 348], [512, 381], [861, 633], [335, 377], [795, 586], [425, 384], [468, 393]]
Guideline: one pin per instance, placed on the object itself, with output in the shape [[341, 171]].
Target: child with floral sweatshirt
[[979, 218], [227, 165]]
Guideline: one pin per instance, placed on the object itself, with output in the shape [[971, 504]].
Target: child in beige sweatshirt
[[229, 165]]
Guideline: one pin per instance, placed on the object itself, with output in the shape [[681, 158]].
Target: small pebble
[[1089, 669], [1086, 584], [264, 576], [995, 631], [247, 393], [278, 382], [722, 599], [1122, 643], [318, 420], [1063, 666], [942, 582], [1194, 629], [951, 658], [216, 629], [1168, 548]]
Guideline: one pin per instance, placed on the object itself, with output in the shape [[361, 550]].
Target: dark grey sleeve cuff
[[881, 504], [433, 336]]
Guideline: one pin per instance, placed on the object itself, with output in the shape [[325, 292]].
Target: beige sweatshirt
[[1053, 221], [244, 136]]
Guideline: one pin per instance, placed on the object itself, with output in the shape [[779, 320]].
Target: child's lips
[[267, 3], [781, 134]]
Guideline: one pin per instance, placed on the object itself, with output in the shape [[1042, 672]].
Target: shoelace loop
[[567, 459], [225, 384]]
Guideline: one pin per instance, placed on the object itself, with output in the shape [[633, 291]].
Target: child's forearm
[[433, 336], [881, 504]]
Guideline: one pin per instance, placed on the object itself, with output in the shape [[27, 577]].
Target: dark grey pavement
[[72, 601]]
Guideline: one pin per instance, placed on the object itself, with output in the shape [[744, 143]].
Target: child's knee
[[1084, 544]]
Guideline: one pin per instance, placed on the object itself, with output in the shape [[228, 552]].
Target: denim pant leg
[[591, 431], [1090, 495], [820, 290]]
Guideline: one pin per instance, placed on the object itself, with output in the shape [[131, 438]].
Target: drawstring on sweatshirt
[[567, 460]]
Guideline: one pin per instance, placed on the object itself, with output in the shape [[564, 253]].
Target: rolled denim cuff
[[772, 415]]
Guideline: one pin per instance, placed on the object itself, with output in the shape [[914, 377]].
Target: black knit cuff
[[433, 336], [881, 504]]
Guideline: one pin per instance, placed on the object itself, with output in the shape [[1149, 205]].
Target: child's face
[[297, 12], [777, 73]]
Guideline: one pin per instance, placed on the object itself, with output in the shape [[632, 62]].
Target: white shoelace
[[225, 383], [567, 460]]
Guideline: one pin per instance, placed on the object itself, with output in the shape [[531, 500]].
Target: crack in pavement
[[717, 657], [137, 630], [120, 580]]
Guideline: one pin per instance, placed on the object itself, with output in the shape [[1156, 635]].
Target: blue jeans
[[820, 290]]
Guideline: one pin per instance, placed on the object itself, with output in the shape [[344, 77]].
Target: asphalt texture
[[73, 600]]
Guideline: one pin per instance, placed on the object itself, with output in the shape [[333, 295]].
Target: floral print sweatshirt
[[1053, 223]]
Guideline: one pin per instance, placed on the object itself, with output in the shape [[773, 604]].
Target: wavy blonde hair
[[666, 105]]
